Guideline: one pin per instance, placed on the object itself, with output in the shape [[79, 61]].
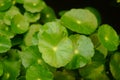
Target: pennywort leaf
[[5, 44], [30, 55], [55, 46], [83, 51], [11, 70], [108, 37], [5, 4], [30, 35], [38, 72], [80, 20], [47, 15], [32, 17], [10, 14], [19, 24], [5, 30]]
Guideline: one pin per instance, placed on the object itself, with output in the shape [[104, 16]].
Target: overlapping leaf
[[55, 46], [38, 72], [30, 55], [19, 24], [5, 44], [83, 51], [11, 70], [115, 65]]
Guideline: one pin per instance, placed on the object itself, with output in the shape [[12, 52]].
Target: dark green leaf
[[47, 14], [5, 30], [64, 75], [5, 4], [108, 37], [11, 70], [5, 44], [93, 71]]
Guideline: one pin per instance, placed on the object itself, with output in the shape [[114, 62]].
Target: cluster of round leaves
[[34, 43]]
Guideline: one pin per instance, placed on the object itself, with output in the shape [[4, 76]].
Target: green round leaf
[[115, 65], [55, 46], [11, 70], [10, 14], [34, 5], [64, 75], [83, 51], [30, 55], [38, 72], [29, 37], [19, 24], [32, 17], [47, 14], [5, 30], [108, 37], [5, 4], [80, 20], [5, 44]]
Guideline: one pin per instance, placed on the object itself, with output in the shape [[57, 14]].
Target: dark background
[[109, 9]]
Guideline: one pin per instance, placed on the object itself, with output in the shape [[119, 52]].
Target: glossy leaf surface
[[34, 5], [55, 46], [83, 51], [32, 17], [19, 24], [11, 70], [108, 37], [80, 20], [5, 4], [38, 72]]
